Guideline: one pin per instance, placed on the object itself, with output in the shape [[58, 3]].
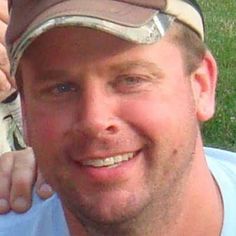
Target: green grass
[[220, 17]]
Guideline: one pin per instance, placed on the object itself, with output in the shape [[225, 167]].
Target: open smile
[[111, 161], [110, 168]]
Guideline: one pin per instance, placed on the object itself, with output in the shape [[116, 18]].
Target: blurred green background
[[220, 19]]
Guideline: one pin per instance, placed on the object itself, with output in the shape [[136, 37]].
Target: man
[[112, 112]]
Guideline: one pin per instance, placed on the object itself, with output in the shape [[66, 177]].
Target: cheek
[[44, 127], [45, 130], [160, 118], [46, 133]]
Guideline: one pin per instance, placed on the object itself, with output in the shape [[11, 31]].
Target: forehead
[[66, 39], [79, 53], [77, 46]]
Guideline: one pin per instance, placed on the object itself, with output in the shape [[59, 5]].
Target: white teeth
[[118, 158], [125, 157], [97, 163], [109, 161]]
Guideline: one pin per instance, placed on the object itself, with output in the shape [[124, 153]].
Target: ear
[[204, 80]]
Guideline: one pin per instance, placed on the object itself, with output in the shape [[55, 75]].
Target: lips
[[111, 161], [94, 169]]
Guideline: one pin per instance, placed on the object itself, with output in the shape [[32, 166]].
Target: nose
[[97, 114]]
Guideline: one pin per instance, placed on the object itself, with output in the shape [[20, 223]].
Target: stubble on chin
[[160, 211]]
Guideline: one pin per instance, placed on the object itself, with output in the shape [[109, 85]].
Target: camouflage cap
[[140, 21]]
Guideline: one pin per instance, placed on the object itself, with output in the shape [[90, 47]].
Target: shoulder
[[221, 158], [40, 216], [220, 153], [222, 165]]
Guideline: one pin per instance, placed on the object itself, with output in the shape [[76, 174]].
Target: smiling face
[[113, 124]]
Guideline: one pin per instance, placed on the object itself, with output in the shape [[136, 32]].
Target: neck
[[202, 212]]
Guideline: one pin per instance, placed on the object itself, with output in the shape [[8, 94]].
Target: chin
[[107, 208]]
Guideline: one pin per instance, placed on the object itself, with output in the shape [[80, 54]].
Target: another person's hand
[[5, 86], [18, 173]]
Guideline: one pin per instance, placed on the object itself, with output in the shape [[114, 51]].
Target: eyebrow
[[150, 67], [51, 75], [136, 64]]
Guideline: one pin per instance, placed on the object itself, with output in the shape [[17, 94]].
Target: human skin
[[5, 86], [17, 171], [86, 99], [18, 176]]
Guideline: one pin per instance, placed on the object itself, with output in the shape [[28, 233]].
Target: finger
[[4, 62], [23, 177], [6, 163], [3, 29], [4, 11], [4, 83], [43, 189], [4, 95], [5, 87]]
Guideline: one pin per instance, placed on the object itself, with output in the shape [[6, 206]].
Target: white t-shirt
[[46, 218]]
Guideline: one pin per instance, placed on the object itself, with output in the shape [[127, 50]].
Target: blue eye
[[132, 80], [64, 88], [129, 83]]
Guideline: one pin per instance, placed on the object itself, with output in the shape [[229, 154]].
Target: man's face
[[112, 124]]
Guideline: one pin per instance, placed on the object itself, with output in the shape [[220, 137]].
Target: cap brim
[[130, 22]]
